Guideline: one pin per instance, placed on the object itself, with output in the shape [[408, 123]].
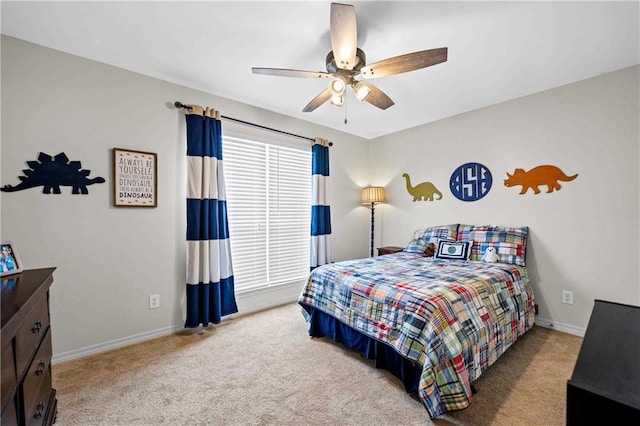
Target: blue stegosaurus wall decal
[[53, 172]]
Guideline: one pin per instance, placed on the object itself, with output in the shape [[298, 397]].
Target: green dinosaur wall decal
[[423, 191]]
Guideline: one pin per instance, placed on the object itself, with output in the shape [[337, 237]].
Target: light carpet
[[264, 369]]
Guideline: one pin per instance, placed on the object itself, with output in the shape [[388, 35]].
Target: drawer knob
[[36, 327], [41, 367], [39, 410]]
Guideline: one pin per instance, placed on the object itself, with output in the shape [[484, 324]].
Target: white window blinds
[[268, 202]]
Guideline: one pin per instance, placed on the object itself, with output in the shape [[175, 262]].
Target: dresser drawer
[[9, 377], [10, 414], [30, 334], [36, 387]]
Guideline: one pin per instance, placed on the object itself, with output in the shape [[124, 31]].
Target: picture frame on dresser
[[9, 260]]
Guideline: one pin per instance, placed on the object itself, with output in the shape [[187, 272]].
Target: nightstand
[[388, 250]]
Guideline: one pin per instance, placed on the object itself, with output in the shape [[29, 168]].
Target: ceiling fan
[[346, 65]]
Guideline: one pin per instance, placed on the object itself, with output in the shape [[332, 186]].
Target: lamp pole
[[372, 229], [372, 195]]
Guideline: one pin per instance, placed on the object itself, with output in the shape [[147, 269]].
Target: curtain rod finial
[[179, 104]]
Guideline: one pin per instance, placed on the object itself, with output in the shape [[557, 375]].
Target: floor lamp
[[370, 196]]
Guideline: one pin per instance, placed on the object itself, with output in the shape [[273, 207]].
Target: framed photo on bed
[[9, 260], [134, 178]]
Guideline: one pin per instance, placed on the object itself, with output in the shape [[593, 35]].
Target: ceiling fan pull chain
[[345, 110]]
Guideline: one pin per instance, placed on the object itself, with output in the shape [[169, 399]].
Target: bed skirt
[[383, 355]]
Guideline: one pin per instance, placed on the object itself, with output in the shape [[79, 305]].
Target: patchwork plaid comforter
[[454, 318]]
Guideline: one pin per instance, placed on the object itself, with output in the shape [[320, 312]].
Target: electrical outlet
[[567, 297], [154, 301]]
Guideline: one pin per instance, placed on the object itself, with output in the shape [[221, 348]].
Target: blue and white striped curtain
[[210, 288], [321, 247]]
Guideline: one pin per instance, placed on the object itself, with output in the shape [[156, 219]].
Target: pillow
[[507, 252], [458, 250], [510, 243], [422, 237]]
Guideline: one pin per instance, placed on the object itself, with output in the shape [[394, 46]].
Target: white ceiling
[[497, 50]]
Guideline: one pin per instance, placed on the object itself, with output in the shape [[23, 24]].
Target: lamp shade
[[372, 194]]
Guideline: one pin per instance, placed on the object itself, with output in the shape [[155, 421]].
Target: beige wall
[[583, 238], [111, 259]]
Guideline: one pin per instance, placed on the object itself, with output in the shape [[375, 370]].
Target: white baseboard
[[566, 328], [117, 343], [257, 300], [248, 302]]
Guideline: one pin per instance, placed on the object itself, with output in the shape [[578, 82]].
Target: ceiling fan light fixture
[[361, 90], [337, 86], [346, 65], [337, 100]]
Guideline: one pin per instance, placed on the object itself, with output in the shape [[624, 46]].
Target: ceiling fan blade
[[344, 35], [322, 97], [404, 63], [377, 97], [280, 72]]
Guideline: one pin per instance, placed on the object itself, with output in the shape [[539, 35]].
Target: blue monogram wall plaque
[[470, 182]]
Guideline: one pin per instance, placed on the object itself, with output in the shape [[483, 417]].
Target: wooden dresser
[[27, 394]]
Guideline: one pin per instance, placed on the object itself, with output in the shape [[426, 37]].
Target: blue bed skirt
[[384, 356]]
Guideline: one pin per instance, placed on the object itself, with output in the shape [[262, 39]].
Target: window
[[268, 190]]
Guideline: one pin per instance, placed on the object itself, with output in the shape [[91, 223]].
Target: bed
[[435, 322]]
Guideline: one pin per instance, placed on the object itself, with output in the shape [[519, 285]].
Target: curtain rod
[[179, 104]]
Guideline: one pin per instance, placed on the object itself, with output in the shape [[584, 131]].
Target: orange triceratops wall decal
[[541, 175]]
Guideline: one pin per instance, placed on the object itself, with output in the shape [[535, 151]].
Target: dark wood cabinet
[[388, 250], [605, 386], [28, 397]]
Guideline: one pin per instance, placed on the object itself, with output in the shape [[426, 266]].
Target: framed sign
[[9, 260], [134, 178]]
